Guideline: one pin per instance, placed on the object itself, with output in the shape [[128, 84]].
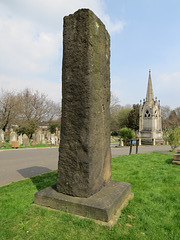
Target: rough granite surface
[[84, 155]]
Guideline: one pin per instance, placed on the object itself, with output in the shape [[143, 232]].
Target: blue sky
[[145, 34]]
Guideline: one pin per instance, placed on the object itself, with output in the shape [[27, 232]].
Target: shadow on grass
[[169, 161], [44, 180], [41, 177]]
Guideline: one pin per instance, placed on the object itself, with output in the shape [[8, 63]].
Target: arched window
[[147, 114]]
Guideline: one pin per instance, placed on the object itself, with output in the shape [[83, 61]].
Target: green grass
[[6, 145], [38, 145], [153, 213]]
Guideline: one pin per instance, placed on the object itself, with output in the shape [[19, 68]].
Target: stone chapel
[[150, 123]]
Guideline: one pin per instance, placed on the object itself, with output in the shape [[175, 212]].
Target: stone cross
[[84, 154]]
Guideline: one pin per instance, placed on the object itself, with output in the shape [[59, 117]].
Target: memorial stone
[[48, 137], [13, 137], [25, 140], [53, 139], [56, 140], [176, 159], [20, 139], [1, 135], [43, 140], [34, 136], [84, 168], [38, 137], [85, 155]]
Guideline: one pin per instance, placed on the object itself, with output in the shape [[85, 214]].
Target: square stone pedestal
[[176, 159], [104, 206]]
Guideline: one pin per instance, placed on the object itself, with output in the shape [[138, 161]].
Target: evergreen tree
[[133, 118]]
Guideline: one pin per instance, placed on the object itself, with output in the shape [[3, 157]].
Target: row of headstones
[[39, 137]]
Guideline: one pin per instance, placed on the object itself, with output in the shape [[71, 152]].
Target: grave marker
[[84, 169]]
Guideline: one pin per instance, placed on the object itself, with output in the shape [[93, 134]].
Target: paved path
[[23, 163], [118, 151]]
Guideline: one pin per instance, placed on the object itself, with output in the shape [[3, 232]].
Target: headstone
[[53, 139], [56, 140], [38, 137], [43, 140], [176, 159], [34, 136], [13, 137], [20, 139], [121, 142], [48, 137], [25, 140], [84, 169], [1, 135]]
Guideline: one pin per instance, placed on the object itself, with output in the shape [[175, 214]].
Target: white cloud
[[52, 89], [31, 41], [111, 26], [24, 50]]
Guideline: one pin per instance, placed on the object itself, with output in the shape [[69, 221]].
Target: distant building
[[150, 122]]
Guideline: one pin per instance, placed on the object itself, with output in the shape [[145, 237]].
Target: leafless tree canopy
[[26, 107]]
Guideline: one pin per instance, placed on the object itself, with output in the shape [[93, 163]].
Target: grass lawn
[[39, 145], [153, 213]]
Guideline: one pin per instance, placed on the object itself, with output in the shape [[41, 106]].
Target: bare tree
[[26, 108], [8, 109], [165, 111], [37, 107], [177, 110]]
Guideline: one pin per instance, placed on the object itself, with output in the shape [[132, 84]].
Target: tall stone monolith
[[84, 153], [83, 185]]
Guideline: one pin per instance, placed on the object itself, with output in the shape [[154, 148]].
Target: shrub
[[127, 134], [172, 136], [53, 126]]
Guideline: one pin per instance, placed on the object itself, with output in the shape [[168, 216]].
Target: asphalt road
[[23, 163]]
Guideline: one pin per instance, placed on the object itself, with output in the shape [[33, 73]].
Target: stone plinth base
[[105, 205], [176, 158]]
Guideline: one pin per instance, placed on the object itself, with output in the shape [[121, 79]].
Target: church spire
[[150, 94]]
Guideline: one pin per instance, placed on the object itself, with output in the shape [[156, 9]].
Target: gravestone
[[48, 137], [43, 140], [1, 135], [84, 169], [34, 137], [38, 137], [20, 139], [53, 139], [56, 140], [25, 140], [176, 159], [13, 137]]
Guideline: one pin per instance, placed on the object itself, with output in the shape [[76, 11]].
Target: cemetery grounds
[[153, 213]]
